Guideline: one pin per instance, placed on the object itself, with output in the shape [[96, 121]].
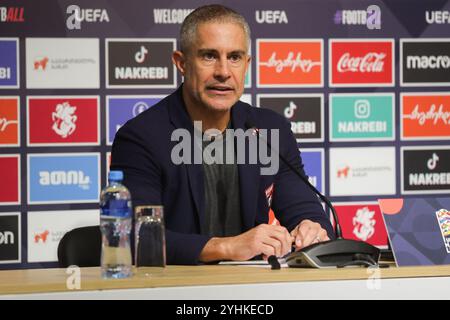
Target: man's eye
[[208, 56], [235, 58]]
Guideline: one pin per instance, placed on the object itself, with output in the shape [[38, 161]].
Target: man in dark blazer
[[216, 211]]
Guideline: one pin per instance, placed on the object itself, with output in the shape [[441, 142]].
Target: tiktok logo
[[141, 55], [289, 111], [432, 162]]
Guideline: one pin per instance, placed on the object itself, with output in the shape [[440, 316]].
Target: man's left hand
[[308, 232]]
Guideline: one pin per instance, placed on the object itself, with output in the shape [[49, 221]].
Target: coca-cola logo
[[371, 62], [362, 63], [293, 61]]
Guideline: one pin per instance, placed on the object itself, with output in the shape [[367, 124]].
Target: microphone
[[333, 253]]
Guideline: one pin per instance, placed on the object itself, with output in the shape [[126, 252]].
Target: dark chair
[[80, 247]]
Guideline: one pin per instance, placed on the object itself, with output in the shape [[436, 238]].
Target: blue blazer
[[142, 149]]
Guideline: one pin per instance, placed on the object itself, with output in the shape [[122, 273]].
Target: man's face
[[215, 66]]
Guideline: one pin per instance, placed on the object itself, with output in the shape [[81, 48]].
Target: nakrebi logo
[[63, 178], [425, 116], [289, 63], [120, 109], [437, 17], [9, 63], [78, 15], [425, 170], [425, 62], [271, 16], [314, 166], [12, 14], [371, 17], [170, 16], [63, 120], [58, 63], [10, 243], [362, 117], [140, 63], [304, 111], [361, 62], [10, 174], [362, 221], [361, 171]]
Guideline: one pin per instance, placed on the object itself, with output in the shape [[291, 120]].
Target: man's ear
[[249, 60], [178, 59]]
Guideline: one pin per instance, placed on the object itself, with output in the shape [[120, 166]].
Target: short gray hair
[[209, 13]]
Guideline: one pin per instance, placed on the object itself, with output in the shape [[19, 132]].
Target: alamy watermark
[[73, 281], [373, 282], [227, 148]]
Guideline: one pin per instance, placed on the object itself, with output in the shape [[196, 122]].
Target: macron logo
[[6, 237]]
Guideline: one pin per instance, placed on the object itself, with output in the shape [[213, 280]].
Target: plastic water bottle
[[115, 224]]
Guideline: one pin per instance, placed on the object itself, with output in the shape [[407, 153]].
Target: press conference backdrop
[[365, 85]]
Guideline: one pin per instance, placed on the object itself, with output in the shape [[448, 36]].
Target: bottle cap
[[115, 175]]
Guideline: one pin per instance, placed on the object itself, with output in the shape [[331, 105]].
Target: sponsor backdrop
[[365, 85]]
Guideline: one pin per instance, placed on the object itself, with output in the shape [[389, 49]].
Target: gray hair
[[209, 13]]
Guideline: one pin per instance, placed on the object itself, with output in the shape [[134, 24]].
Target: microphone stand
[[333, 253]]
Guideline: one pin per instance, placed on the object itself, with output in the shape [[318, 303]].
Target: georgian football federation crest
[[64, 119], [364, 223]]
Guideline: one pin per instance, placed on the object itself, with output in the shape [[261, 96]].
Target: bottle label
[[116, 208]]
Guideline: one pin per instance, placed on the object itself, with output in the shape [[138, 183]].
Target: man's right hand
[[263, 239]]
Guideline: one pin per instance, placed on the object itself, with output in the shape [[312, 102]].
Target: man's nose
[[222, 69]]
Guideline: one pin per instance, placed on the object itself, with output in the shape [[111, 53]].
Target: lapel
[[249, 174], [180, 119]]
